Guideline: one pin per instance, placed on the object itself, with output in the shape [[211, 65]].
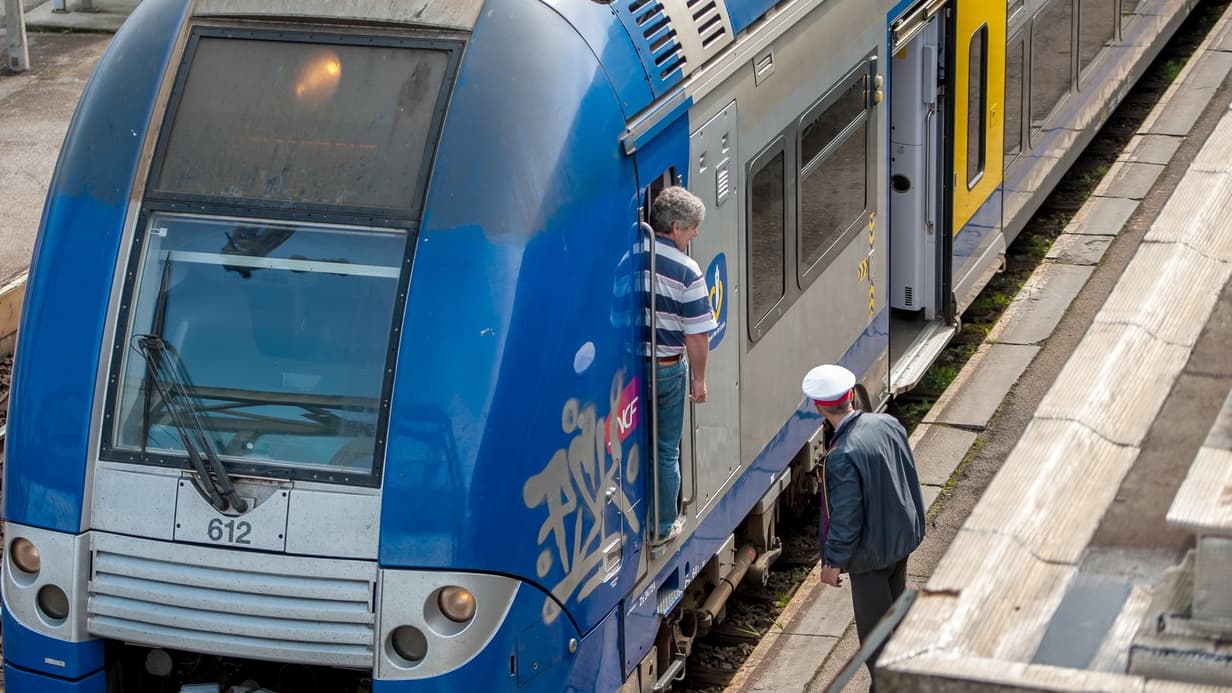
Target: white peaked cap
[[828, 384]]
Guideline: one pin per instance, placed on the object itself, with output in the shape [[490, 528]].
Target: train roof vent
[[675, 37], [711, 24], [654, 25]]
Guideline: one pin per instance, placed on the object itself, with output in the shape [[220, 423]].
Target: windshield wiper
[[171, 381]]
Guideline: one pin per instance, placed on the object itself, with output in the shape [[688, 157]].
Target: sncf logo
[[627, 413]]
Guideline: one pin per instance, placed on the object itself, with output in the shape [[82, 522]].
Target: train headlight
[[457, 603], [26, 556], [409, 643], [53, 602]]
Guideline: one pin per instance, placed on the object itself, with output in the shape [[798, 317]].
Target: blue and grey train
[[320, 383]]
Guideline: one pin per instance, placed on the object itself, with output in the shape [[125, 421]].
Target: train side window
[[1052, 51], [977, 106], [1096, 29], [767, 239], [1015, 59], [833, 192]]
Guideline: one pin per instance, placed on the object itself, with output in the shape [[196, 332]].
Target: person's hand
[[698, 395], [830, 575]]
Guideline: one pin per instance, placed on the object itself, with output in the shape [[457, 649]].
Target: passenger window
[[1052, 52], [977, 106], [1096, 29], [1014, 60], [834, 174], [767, 227]]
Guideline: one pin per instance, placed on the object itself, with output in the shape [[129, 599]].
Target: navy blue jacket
[[873, 492]]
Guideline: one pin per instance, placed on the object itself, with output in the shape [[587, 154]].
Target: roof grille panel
[[675, 37]]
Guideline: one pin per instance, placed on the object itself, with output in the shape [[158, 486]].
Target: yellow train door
[[979, 97]]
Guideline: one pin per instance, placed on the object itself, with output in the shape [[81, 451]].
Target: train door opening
[[919, 244]]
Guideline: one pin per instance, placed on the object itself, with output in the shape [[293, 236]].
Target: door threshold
[[907, 372]]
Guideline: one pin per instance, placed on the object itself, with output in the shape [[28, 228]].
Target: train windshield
[[274, 121], [280, 334]]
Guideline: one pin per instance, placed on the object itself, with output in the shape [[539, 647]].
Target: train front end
[[321, 384]]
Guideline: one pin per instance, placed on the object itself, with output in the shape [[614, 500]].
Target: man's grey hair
[[676, 205]]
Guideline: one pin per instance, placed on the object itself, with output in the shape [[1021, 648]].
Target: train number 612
[[230, 531]]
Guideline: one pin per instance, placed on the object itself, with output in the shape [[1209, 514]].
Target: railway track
[[753, 610]]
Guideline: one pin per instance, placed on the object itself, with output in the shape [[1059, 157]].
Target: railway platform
[[1097, 416]]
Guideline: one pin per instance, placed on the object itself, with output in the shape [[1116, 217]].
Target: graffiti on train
[[582, 490]]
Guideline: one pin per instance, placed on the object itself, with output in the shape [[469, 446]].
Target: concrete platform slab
[[1104, 386], [993, 575], [980, 387], [1216, 153], [1132, 180], [1052, 490], [1168, 289], [1078, 249], [1040, 304], [1210, 70], [1182, 111], [1196, 215], [1203, 504], [930, 671], [808, 630], [1151, 149], [1220, 437], [1102, 216], [1222, 40], [930, 495], [938, 450]]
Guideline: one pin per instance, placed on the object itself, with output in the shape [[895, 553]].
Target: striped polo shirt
[[682, 299]]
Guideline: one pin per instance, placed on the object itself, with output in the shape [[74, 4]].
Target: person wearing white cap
[[872, 513]]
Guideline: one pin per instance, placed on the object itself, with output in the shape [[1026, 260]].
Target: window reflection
[[767, 227]]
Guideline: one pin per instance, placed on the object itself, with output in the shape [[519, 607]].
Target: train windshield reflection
[[282, 331]]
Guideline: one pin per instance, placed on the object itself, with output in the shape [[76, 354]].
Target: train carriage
[[326, 379]]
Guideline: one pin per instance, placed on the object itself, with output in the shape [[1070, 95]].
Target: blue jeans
[[670, 420]]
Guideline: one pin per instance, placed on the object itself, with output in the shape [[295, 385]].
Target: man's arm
[[698, 348]]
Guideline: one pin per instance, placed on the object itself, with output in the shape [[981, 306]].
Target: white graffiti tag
[[577, 485]]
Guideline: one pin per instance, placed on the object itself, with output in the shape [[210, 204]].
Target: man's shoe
[[672, 532]]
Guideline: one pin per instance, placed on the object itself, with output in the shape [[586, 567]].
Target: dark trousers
[[872, 594]]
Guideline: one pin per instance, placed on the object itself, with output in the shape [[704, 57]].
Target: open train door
[[920, 114], [947, 82]]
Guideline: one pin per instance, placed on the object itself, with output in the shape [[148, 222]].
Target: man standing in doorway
[[683, 319], [872, 511]]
